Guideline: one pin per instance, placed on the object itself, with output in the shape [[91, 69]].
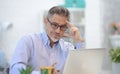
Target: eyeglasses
[[55, 26]]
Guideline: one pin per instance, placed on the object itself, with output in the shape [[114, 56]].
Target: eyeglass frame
[[56, 26]]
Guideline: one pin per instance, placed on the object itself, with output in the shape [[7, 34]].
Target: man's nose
[[58, 30]]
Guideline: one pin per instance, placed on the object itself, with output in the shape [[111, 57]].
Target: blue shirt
[[34, 50]]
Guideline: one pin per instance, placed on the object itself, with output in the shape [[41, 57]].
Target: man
[[47, 48]]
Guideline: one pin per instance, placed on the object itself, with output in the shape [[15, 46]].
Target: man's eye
[[63, 26], [55, 24]]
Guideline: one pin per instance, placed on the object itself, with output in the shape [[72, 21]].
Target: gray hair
[[59, 10]]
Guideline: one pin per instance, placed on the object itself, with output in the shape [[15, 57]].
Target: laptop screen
[[84, 61]]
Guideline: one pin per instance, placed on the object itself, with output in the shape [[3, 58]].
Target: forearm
[[14, 69]]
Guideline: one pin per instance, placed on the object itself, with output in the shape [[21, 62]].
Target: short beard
[[54, 40]]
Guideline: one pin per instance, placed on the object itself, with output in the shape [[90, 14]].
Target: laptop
[[84, 61]]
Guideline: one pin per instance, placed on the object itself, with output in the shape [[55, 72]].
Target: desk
[[106, 72]]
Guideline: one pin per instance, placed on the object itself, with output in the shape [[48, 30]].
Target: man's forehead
[[58, 19]]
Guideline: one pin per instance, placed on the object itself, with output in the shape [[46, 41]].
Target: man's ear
[[45, 20]]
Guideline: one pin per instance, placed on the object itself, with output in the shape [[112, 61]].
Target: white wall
[[94, 31], [25, 15]]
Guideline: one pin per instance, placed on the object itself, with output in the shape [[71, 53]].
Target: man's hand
[[55, 71], [74, 32]]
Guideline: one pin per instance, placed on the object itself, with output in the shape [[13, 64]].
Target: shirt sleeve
[[78, 46], [15, 69], [21, 55]]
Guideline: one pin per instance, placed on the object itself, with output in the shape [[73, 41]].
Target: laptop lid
[[84, 61]]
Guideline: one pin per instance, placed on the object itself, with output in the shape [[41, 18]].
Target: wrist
[[78, 40]]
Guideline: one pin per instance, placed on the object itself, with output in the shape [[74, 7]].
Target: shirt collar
[[46, 40]]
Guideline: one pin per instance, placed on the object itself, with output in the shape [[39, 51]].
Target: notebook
[[84, 61]]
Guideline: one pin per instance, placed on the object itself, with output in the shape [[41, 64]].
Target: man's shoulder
[[35, 34], [29, 36]]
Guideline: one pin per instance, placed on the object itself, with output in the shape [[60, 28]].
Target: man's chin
[[54, 39]]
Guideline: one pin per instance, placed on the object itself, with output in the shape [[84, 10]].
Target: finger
[[54, 64], [56, 71], [67, 35], [73, 30], [69, 24]]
